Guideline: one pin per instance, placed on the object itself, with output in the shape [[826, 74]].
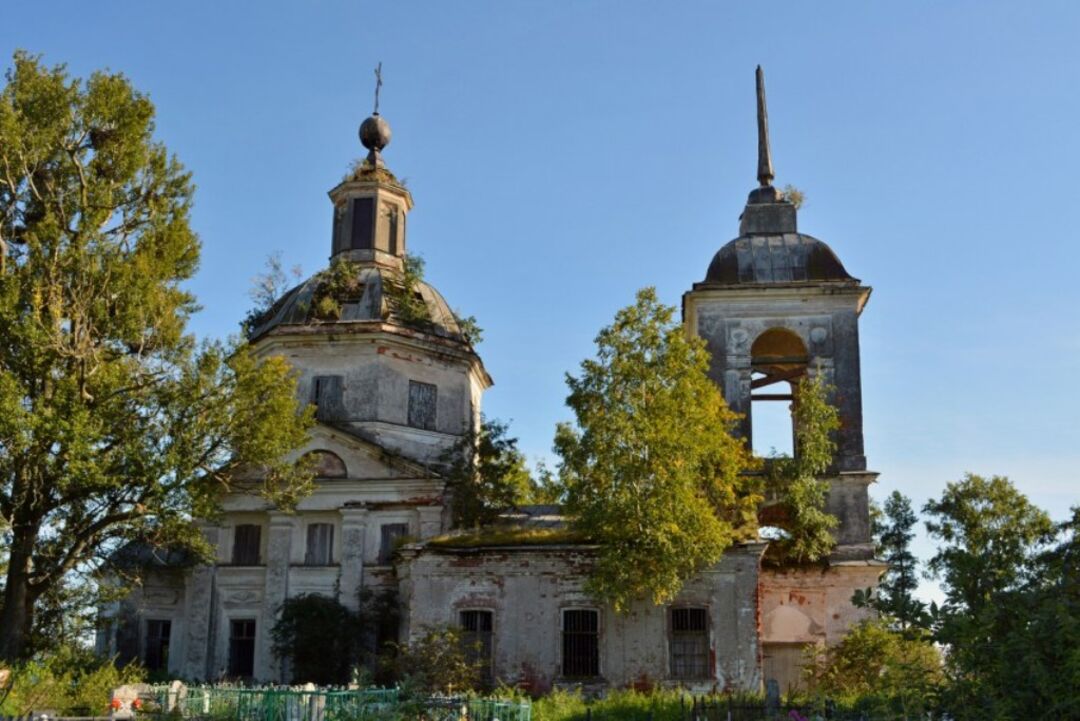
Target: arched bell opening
[[778, 362]]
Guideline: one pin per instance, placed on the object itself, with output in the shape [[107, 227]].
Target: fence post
[[588, 713]]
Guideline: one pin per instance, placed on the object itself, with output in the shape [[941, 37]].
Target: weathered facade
[[397, 383]]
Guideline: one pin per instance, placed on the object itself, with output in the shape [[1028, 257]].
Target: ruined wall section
[[527, 588]]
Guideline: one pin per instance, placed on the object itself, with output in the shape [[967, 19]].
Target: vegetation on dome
[[363, 171]]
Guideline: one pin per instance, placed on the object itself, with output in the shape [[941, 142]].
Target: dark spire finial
[[765, 168], [378, 86], [375, 131]]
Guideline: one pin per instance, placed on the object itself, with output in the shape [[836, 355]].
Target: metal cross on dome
[[378, 86]]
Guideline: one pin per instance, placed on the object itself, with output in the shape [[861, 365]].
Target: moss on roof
[[509, 536]]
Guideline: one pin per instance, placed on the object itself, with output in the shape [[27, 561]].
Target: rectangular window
[[242, 648], [156, 649], [423, 398], [392, 533], [476, 633], [580, 643], [363, 223], [327, 393], [246, 540], [689, 643], [320, 544]]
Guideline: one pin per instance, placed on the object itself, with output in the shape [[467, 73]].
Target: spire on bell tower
[[767, 210], [764, 166]]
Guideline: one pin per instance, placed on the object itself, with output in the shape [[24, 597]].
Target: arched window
[[778, 361], [328, 464]]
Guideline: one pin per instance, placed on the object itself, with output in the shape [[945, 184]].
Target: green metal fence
[[224, 703]]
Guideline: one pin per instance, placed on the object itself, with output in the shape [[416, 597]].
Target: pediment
[[363, 459]]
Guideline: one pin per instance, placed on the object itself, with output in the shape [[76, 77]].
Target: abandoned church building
[[396, 383]]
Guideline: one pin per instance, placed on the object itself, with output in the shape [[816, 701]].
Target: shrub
[[71, 682]]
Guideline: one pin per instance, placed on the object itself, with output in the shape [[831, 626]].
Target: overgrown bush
[[72, 682], [439, 661]]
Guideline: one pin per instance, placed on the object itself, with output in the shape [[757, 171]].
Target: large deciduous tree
[[651, 470], [114, 423], [990, 538]]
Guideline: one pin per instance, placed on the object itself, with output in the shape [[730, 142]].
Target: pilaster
[[201, 605], [278, 555], [354, 523]]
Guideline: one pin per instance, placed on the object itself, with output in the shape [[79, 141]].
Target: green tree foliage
[[319, 637], [114, 424], [990, 542], [796, 480], [487, 475], [651, 470], [878, 670], [895, 596], [439, 660], [71, 680]]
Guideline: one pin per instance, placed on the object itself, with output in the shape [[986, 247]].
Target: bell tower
[[777, 305]]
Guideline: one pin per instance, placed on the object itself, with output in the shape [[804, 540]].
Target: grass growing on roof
[[508, 536]]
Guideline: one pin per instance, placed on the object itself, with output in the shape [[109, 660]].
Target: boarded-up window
[[392, 534], [327, 395], [580, 643], [156, 647], [689, 643], [246, 540], [320, 544], [476, 634], [423, 398], [242, 648], [363, 223]]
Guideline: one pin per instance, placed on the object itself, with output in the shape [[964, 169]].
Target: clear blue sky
[[564, 154]]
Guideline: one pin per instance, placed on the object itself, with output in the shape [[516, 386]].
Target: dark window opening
[[242, 648], [392, 535], [689, 643], [320, 544], [477, 636], [363, 223], [246, 540], [581, 643], [392, 214], [423, 399], [326, 394], [156, 651]]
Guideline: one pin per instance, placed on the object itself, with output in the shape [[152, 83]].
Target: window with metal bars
[[580, 643], [320, 544], [477, 635], [156, 646], [242, 648], [689, 643], [246, 540]]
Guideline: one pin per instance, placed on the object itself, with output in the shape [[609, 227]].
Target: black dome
[[776, 258]]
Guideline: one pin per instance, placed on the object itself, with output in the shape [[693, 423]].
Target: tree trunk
[[17, 614]]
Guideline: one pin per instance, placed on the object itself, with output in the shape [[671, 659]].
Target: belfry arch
[[779, 360]]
